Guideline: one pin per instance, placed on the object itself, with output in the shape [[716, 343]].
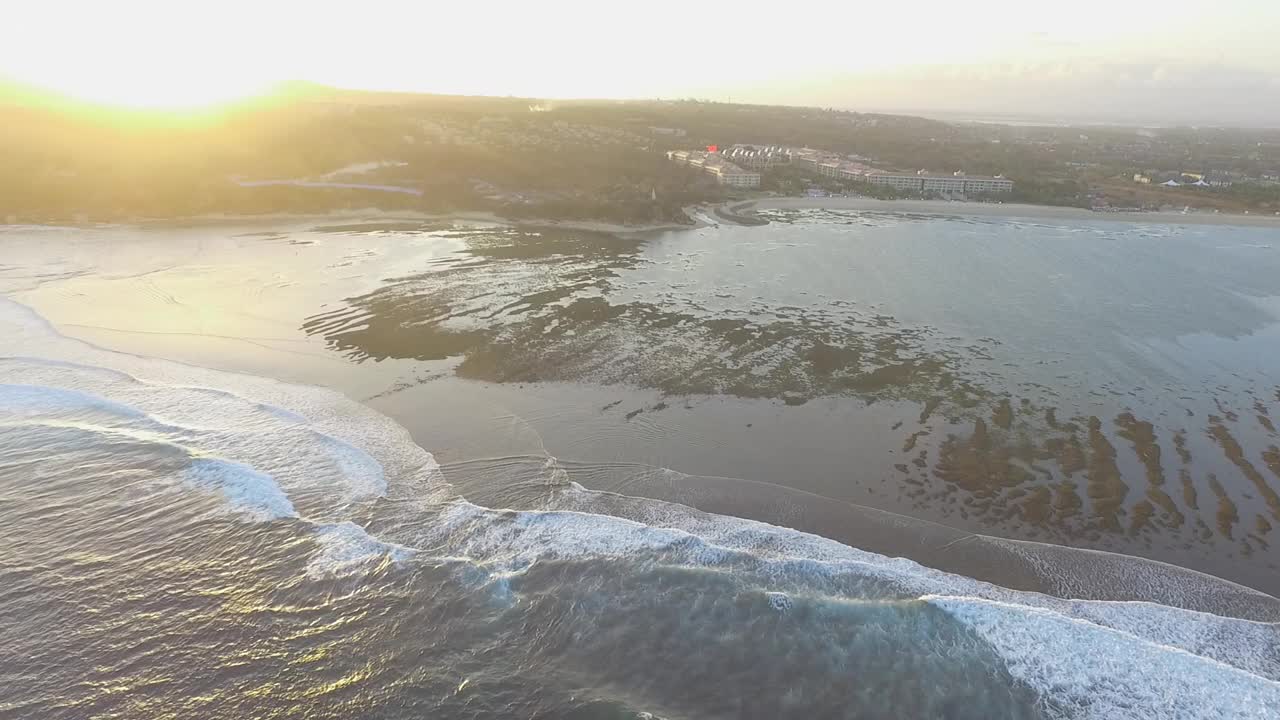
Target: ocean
[[853, 465]]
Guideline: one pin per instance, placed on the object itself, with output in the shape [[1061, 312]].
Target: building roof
[[712, 162], [931, 176], [730, 169]]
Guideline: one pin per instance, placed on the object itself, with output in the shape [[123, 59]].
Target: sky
[[1182, 59]]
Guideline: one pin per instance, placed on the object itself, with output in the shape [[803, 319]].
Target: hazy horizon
[[1181, 62]]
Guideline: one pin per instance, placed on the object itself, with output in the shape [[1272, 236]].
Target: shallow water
[[193, 542]]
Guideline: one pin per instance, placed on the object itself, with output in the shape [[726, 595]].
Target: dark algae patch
[[990, 446], [1231, 448], [1142, 436], [1003, 415], [1180, 447], [1228, 516], [1106, 489], [551, 306], [1188, 489]]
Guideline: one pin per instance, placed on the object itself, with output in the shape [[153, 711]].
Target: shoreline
[[741, 213], [1010, 210], [378, 215]]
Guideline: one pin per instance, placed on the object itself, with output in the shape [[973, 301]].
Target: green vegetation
[[1069, 193], [65, 160], [1262, 197]]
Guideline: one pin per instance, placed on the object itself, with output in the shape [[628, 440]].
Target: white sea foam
[[202, 399], [34, 401], [1250, 646], [347, 548], [246, 490], [510, 541], [214, 423], [257, 444], [1084, 670]]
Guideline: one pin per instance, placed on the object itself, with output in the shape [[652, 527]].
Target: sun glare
[[143, 54], [158, 91]]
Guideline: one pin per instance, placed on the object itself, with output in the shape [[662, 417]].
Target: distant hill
[[66, 158], [522, 157]]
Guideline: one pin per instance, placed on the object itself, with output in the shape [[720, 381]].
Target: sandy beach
[[939, 207]]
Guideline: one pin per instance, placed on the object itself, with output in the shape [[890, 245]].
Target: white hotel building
[[830, 164], [834, 166], [956, 183], [725, 172]]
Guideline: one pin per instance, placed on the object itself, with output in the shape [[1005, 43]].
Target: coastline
[[733, 212], [378, 215], [1010, 210]]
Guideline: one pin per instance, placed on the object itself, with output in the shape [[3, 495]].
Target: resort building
[[727, 167], [730, 174], [909, 183], [757, 157], [957, 183], [714, 164]]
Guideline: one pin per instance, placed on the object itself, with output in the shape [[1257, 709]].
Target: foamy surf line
[[268, 449], [1085, 670], [1087, 659], [256, 442], [57, 420], [190, 395]]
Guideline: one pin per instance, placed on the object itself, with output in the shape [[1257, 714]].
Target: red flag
[[713, 148]]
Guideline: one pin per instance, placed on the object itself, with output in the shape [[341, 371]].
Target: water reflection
[[997, 442], [523, 307]]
